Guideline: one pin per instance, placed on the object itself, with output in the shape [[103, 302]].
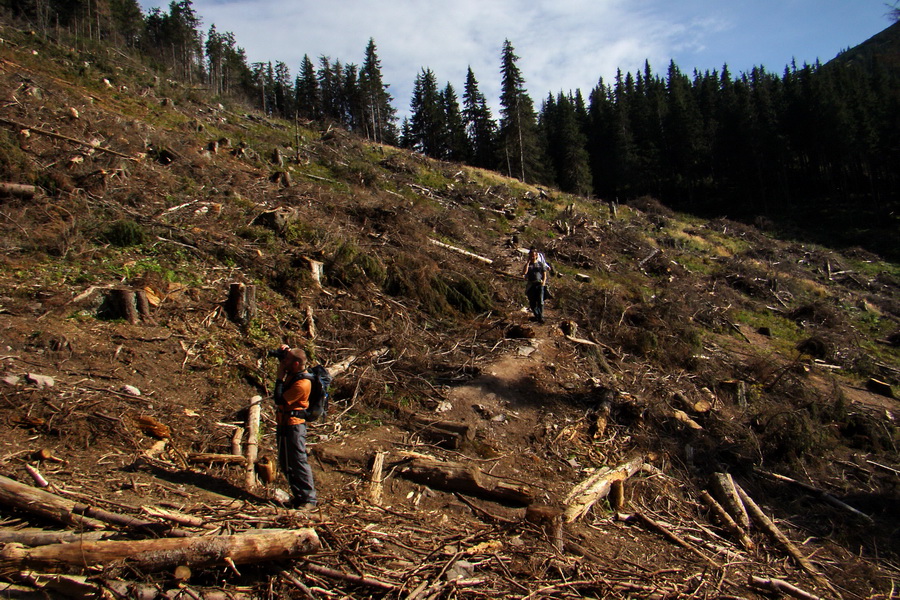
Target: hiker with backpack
[[293, 388], [535, 273]]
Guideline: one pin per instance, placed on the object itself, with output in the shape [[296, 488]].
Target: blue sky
[[562, 44]]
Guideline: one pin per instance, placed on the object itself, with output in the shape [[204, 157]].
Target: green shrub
[[124, 234]]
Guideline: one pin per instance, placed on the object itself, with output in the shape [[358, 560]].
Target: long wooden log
[[727, 522], [43, 504], [65, 138], [81, 586], [18, 189], [723, 488], [127, 521], [33, 536], [821, 494], [457, 477], [462, 251], [596, 487], [207, 458], [165, 553], [768, 526]]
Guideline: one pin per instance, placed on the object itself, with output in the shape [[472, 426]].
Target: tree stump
[[241, 303]]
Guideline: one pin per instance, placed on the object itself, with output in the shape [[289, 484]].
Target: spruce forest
[[815, 144], [706, 408]]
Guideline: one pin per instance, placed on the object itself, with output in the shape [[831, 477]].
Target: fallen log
[[18, 189], [208, 458], [821, 494], [33, 536], [768, 526], [165, 553], [461, 251], [457, 477], [727, 522], [80, 586], [596, 487], [43, 504], [128, 521], [723, 488], [65, 138]]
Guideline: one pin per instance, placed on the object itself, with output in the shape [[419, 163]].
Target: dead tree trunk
[[165, 553], [43, 504], [18, 189], [597, 486], [457, 477]]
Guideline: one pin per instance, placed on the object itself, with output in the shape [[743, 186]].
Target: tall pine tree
[[519, 144]]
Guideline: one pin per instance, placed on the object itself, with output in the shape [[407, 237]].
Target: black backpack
[[318, 396]]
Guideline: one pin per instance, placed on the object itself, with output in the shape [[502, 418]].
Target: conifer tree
[[456, 146], [379, 115], [306, 91], [518, 139], [480, 126], [426, 131]]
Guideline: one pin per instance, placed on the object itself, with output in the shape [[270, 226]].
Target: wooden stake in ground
[[165, 553], [376, 481], [253, 440], [596, 487]]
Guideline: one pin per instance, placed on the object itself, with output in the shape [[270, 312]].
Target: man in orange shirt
[[292, 391]]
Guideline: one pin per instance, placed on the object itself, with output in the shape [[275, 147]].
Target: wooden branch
[[781, 587], [64, 138], [43, 504], [723, 487], [166, 553], [457, 477], [768, 526], [354, 579], [672, 537], [727, 522], [32, 536], [483, 259], [596, 487], [207, 458], [18, 189], [253, 440], [823, 495]]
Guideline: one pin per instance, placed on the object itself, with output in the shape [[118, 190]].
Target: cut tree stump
[[241, 303], [457, 477], [596, 487], [161, 554]]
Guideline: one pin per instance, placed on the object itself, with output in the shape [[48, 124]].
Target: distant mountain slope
[[882, 48]]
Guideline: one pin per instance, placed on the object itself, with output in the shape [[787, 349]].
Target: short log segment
[[165, 553], [457, 477], [596, 487], [43, 504], [18, 189]]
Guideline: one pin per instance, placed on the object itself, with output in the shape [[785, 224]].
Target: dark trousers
[[294, 462], [535, 293]]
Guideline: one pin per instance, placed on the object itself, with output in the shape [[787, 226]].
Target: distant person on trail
[[535, 274], [292, 391]]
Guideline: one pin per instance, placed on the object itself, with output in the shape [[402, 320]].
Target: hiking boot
[[303, 505]]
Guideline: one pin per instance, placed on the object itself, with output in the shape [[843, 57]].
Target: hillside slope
[[698, 346]]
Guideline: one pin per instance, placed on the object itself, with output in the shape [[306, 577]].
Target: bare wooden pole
[[253, 440]]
